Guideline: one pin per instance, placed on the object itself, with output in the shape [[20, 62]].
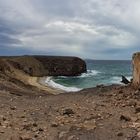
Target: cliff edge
[[44, 65]]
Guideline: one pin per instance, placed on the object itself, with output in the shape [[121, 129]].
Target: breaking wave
[[49, 81], [117, 79], [89, 73]]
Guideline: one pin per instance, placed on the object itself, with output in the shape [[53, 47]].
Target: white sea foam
[[53, 84], [117, 79], [89, 73]]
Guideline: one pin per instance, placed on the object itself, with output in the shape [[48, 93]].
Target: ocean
[[99, 72]]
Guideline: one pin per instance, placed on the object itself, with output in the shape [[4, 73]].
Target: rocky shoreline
[[32, 111]]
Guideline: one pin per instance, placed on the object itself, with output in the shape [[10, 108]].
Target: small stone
[[54, 124], [36, 136], [120, 91], [34, 124], [88, 125], [71, 137], [1, 132], [13, 108], [40, 129], [78, 116], [137, 110], [27, 126], [14, 137], [132, 103], [68, 112], [136, 125], [136, 92], [100, 86], [134, 119], [34, 129], [123, 105], [62, 134], [125, 118], [4, 119], [120, 134], [25, 137], [138, 134]]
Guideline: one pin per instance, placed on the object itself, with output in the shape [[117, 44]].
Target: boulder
[[125, 80]]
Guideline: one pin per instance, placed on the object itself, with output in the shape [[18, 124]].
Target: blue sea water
[[105, 72]]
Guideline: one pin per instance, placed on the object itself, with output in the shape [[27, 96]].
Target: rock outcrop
[[44, 65], [136, 70], [62, 66]]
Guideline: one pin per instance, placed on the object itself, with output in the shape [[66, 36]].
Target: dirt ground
[[101, 113]]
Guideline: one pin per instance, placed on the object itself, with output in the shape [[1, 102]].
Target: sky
[[94, 29]]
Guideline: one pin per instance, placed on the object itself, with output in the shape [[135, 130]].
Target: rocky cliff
[[44, 65], [136, 70]]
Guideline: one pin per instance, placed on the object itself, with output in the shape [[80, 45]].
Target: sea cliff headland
[[33, 111], [31, 70]]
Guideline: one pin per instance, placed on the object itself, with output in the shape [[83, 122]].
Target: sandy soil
[[38, 82]]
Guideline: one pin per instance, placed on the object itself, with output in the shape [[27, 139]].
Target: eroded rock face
[[48, 65], [62, 66], [136, 70]]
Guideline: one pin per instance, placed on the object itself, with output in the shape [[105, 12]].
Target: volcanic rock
[[45, 65], [136, 70]]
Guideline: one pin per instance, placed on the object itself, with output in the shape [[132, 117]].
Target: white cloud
[[72, 27]]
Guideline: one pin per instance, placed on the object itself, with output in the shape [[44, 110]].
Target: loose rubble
[[100, 113]]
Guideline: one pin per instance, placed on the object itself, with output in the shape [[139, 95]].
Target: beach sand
[[38, 82]]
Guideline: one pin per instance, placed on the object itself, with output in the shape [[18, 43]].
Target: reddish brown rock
[[136, 70]]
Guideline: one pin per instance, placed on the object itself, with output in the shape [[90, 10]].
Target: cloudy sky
[[96, 29]]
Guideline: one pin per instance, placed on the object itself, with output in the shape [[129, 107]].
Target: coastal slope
[[30, 112]]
